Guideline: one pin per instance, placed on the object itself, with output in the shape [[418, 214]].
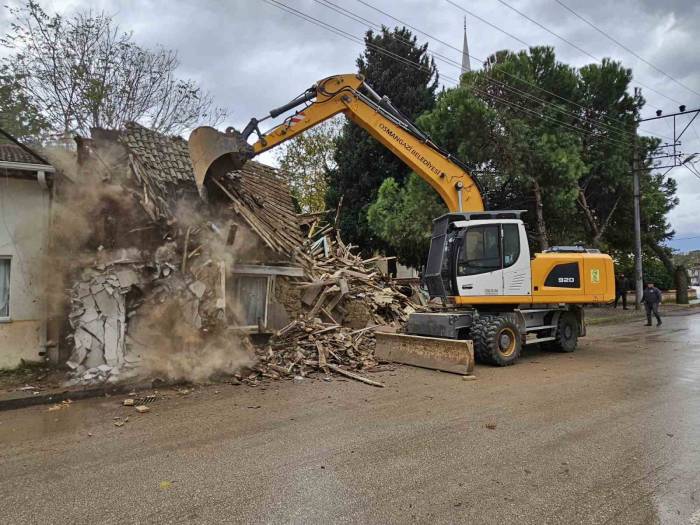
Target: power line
[[691, 168], [578, 48], [686, 238], [515, 77], [623, 46], [546, 29], [488, 23], [417, 66], [552, 32], [357, 18]]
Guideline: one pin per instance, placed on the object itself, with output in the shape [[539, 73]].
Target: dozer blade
[[213, 152], [449, 355]]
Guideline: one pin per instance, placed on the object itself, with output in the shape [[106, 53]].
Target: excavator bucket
[[448, 355], [213, 152]]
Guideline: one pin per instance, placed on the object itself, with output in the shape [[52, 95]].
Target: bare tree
[[82, 71]]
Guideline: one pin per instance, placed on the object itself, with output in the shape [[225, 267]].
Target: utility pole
[[638, 275], [676, 159]]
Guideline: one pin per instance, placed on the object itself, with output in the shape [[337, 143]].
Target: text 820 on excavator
[[498, 295]]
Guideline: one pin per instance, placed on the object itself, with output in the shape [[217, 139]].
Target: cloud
[[253, 56]]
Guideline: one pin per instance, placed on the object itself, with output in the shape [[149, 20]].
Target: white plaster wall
[[24, 224]]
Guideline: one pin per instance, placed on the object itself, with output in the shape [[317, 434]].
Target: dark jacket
[[651, 295], [621, 284]]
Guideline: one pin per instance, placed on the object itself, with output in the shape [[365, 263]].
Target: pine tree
[[394, 65]]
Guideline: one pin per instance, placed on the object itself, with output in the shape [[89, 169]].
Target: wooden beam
[[262, 269]]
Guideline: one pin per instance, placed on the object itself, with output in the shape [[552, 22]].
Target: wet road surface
[[609, 434]]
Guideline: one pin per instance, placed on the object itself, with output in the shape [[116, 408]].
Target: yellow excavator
[[496, 294]]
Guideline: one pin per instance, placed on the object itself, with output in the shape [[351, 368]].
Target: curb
[[73, 395]]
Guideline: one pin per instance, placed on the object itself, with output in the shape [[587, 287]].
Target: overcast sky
[[253, 56]]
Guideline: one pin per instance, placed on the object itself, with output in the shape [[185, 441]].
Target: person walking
[[652, 299], [621, 287]]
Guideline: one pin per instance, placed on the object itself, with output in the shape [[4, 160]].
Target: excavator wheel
[[496, 340], [567, 334]]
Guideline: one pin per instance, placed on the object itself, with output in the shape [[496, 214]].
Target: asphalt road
[[609, 434]]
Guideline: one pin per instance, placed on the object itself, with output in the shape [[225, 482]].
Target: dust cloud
[[178, 314]]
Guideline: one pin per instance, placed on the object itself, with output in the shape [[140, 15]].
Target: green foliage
[[309, 161], [567, 164], [362, 163], [18, 116], [655, 272], [400, 213], [689, 260]]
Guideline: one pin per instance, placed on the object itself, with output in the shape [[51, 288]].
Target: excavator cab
[[479, 254]]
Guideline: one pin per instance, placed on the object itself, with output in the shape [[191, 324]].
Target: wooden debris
[[353, 375], [341, 291]]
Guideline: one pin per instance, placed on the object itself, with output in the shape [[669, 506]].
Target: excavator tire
[[496, 340], [567, 334]]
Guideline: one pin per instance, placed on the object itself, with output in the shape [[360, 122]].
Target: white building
[[25, 205], [694, 274]]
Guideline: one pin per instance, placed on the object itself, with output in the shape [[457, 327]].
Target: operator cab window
[[511, 244], [480, 251]]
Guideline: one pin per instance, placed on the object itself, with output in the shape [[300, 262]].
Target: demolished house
[[169, 270], [166, 284]]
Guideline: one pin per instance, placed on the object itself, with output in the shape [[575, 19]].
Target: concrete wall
[[24, 225]]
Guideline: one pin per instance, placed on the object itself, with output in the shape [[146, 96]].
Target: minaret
[[466, 66]]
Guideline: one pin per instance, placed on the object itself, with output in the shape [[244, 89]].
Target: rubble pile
[[344, 301], [148, 274], [98, 318], [150, 296], [109, 296]]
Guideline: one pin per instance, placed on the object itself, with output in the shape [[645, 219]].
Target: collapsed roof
[[259, 194]]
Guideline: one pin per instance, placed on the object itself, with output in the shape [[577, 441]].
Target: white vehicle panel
[[515, 279]]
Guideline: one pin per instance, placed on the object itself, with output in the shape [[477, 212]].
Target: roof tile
[[261, 193]]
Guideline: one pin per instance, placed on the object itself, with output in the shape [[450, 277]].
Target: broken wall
[[148, 268]]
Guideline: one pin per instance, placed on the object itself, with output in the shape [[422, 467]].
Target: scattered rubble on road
[[60, 406], [120, 421]]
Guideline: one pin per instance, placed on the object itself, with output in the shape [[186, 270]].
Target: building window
[[248, 295], [4, 287]]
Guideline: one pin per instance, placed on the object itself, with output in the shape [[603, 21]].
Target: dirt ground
[[38, 375], [609, 434]]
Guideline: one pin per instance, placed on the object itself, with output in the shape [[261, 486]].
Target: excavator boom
[[212, 151]]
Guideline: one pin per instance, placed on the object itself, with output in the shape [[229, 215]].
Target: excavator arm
[[211, 150]]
